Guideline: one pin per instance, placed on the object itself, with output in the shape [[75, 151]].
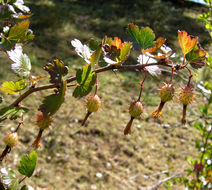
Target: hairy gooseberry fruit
[[136, 109], [93, 103], [43, 121], [186, 97], [166, 94], [11, 139]]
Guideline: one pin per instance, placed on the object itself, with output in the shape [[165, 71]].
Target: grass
[[71, 156]]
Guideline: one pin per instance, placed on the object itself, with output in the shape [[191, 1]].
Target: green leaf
[[57, 69], [52, 103], [86, 79], [125, 51], [197, 57], [27, 164], [115, 52], [5, 11], [18, 31], [95, 56], [93, 44], [143, 37], [13, 112], [199, 127], [11, 87], [9, 179]]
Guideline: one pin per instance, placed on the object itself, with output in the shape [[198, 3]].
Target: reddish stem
[[127, 129], [96, 87], [157, 113], [4, 153], [20, 123], [36, 143], [173, 68], [184, 114], [86, 117], [142, 83], [190, 76]]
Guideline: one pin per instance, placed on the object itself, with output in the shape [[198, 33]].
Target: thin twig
[[71, 79]]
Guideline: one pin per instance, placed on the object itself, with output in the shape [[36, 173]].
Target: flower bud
[[136, 109], [43, 121], [166, 92], [93, 103], [186, 95], [11, 139]]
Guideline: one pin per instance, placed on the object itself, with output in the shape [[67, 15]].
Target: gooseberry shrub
[[99, 56]]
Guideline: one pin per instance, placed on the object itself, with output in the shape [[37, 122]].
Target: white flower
[[6, 29], [21, 62], [167, 50], [20, 5], [82, 50], [154, 69], [110, 61]]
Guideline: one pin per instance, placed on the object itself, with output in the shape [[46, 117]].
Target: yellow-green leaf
[[18, 31], [186, 42], [11, 87], [27, 164]]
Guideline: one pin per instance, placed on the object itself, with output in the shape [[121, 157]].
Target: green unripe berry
[[11, 140], [166, 92], [43, 121], [93, 103], [136, 109]]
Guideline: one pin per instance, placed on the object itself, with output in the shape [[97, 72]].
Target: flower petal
[[154, 69], [82, 50]]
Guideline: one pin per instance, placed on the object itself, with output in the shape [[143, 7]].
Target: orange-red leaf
[[186, 42]]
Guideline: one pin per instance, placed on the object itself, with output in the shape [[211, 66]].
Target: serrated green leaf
[[143, 38], [52, 103], [115, 52], [12, 112], [86, 79], [197, 57], [56, 70], [9, 179], [27, 164], [18, 31], [11, 87]]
